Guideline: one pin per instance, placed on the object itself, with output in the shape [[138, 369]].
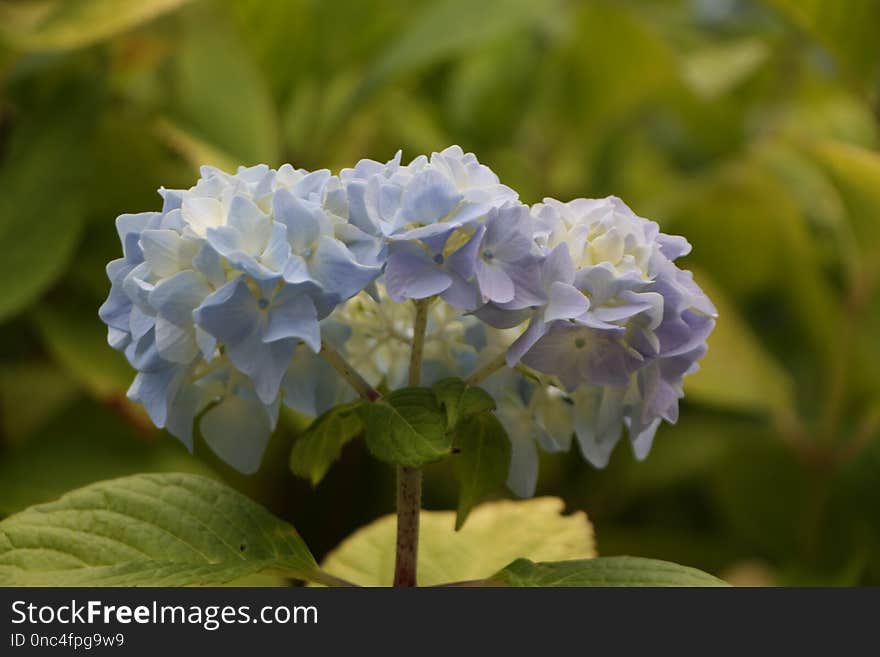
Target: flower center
[[488, 255], [439, 259], [263, 303]]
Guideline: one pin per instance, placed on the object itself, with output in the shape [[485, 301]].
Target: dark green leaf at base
[[604, 571]]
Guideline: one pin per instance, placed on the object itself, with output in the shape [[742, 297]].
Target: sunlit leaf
[[715, 70], [195, 151], [63, 24], [157, 530], [496, 533]]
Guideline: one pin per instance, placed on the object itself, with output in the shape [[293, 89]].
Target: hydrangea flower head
[[621, 325], [214, 294], [441, 221], [223, 300]]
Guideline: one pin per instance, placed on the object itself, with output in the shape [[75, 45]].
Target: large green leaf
[[482, 462], [604, 571], [154, 530], [320, 445], [847, 29], [408, 427], [496, 533], [62, 24]]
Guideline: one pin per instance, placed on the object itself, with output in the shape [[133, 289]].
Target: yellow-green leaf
[[64, 24], [848, 29], [496, 534]]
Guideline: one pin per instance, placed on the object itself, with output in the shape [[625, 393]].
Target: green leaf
[[39, 230], [482, 463], [461, 401], [447, 27], [193, 150], [737, 372], [224, 100], [847, 29], [604, 571], [856, 173], [155, 530], [321, 444], [408, 428], [63, 24], [717, 69], [496, 533]]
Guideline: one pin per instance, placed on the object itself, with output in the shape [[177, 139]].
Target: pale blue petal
[[301, 218], [176, 297], [464, 260], [565, 302], [495, 284], [230, 314], [238, 431], [175, 343], [336, 270], [412, 274], [293, 315], [428, 197], [535, 330], [264, 362]]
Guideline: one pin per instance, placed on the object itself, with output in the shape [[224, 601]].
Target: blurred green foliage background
[[750, 127]]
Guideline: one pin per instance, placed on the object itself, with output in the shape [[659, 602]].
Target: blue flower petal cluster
[[215, 294], [223, 300]]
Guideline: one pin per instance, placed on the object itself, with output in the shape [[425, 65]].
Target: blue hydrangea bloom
[[215, 294], [621, 324], [438, 217], [223, 300]]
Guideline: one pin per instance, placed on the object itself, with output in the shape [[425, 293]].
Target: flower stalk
[[409, 480], [487, 370], [347, 372]]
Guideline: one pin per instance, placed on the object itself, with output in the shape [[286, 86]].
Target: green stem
[[487, 370], [348, 373], [418, 344], [409, 480]]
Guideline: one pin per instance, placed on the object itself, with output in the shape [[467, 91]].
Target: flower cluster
[[224, 300]]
